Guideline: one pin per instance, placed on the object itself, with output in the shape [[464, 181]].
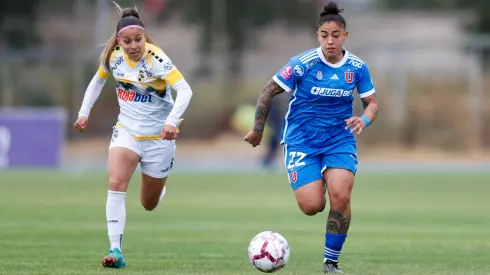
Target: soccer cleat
[[331, 267], [115, 259]]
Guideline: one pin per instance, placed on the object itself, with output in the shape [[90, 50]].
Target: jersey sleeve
[[92, 94], [365, 86], [102, 72], [290, 74], [166, 70]]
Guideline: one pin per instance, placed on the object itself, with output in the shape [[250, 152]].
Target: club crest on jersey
[[319, 75], [298, 70], [115, 134], [349, 77], [143, 73], [293, 176]]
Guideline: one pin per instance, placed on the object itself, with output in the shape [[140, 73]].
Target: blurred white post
[[476, 100], [101, 22], [218, 13], [476, 85], [80, 10], [7, 86], [399, 89], [219, 62]]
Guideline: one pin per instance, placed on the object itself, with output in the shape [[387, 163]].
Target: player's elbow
[[182, 86]]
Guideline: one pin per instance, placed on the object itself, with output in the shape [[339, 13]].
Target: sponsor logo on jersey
[[169, 167], [355, 63], [118, 62], [330, 92], [168, 66], [287, 72], [312, 63], [130, 96]]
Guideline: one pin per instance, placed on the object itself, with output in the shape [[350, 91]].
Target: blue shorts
[[305, 165]]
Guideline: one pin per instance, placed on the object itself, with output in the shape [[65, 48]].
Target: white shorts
[[157, 156]]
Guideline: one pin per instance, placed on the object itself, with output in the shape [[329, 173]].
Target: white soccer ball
[[268, 251]]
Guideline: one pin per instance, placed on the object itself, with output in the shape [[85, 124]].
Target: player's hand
[[356, 124], [169, 132], [81, 123], [253, 138]]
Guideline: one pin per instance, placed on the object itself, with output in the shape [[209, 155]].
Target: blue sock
[[333, 246]]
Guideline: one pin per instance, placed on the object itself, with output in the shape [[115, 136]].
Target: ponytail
[[105, 56], [331, 13]]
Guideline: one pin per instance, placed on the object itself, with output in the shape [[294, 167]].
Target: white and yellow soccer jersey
[[143, 90]]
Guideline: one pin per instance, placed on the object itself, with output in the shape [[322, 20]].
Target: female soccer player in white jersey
[[317, 135], [147, 123]]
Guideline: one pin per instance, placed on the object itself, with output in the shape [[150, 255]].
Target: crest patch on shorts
[[293, 176]]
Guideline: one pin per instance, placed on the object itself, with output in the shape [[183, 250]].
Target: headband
[[130, 26]]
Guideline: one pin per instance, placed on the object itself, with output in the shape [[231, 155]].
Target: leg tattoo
[[337, 223]]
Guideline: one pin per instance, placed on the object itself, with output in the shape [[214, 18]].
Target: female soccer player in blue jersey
[[319, 126]]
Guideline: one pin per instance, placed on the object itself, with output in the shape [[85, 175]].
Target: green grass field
[[402, 224]]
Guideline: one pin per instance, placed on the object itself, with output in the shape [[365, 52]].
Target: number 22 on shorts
[[296, 160]]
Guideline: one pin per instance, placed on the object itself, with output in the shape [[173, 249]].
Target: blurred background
[[421, 196], [428, 60]]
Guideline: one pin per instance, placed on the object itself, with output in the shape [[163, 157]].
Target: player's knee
[[340, 200], [149, 205], [117, 184], [311, 208]]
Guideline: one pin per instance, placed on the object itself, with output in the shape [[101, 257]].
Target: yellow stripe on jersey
[[152, 54], [101, 73], [140, 84], [150, 137], [173, 77], [130, 62], [158, 85], [141, 137]]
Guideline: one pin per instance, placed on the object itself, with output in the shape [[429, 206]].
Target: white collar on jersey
[[336, 65]]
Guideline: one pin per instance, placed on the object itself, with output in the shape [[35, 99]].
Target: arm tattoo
[[370, 106], [270, 90], [337, 223]]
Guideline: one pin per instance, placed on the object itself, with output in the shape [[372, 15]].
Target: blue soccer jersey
[[322, 97]]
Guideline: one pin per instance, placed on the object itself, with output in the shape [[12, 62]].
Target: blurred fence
[[432, 93]]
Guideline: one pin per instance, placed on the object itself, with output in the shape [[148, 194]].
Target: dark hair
[[331, 13], [129, 16]]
